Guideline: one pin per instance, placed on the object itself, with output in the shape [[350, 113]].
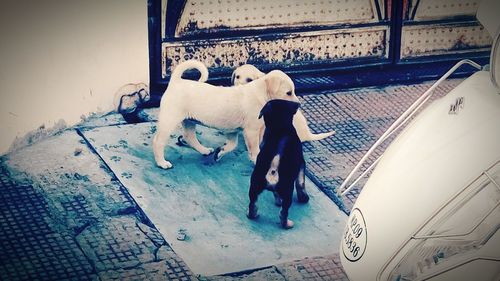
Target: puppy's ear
[[265, 109], [272, 84]]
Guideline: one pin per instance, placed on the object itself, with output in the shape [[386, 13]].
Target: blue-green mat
[[208, 201]]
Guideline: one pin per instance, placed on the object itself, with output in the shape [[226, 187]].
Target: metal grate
[[109, 244], [29, 248], [318, 82], [78, 205], [359, 118], [82, 221]]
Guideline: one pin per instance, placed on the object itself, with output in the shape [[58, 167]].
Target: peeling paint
[[291, 49], [438, 39], [437, 9]]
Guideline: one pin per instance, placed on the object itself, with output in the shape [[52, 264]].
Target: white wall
[[61, 59]]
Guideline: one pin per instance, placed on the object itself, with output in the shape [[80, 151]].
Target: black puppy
[[280, 162]]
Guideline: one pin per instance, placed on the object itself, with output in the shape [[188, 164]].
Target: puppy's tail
[[190, 64], [314, 137]]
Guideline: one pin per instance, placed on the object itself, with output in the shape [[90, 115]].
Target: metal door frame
[[344, 74]]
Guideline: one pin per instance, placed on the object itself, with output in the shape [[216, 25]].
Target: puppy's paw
[[164, 164], [303, 198], [287, 224], [205, 151], [252, 213]]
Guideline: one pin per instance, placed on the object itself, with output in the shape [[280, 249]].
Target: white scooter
[[431, 207]]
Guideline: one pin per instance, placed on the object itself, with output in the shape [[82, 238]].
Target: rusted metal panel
[[443, 39], [290, 49], [439, 9], [259, 14]]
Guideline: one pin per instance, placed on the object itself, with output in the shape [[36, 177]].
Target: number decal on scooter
[[355, 236]]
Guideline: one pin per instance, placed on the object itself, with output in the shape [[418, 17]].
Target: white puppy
[[247, 73], [224, 108]]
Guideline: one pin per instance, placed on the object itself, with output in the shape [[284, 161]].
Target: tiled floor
[[30, 245], [359, 118], [65, 216]]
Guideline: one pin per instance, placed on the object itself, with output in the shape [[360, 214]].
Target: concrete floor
[[65, 215], [208, 200]]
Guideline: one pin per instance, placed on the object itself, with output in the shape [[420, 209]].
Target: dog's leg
[[303, 131], [247, 143], [286, 197], [300, 186], [230, 145], [277, 199], [252, 141], [180, 140], [164, 129], [253, 194], [191, 139]]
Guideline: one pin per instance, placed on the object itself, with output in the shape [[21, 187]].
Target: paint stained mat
[[200, 206]]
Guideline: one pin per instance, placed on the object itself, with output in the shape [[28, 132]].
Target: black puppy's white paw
[[286, 223]]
